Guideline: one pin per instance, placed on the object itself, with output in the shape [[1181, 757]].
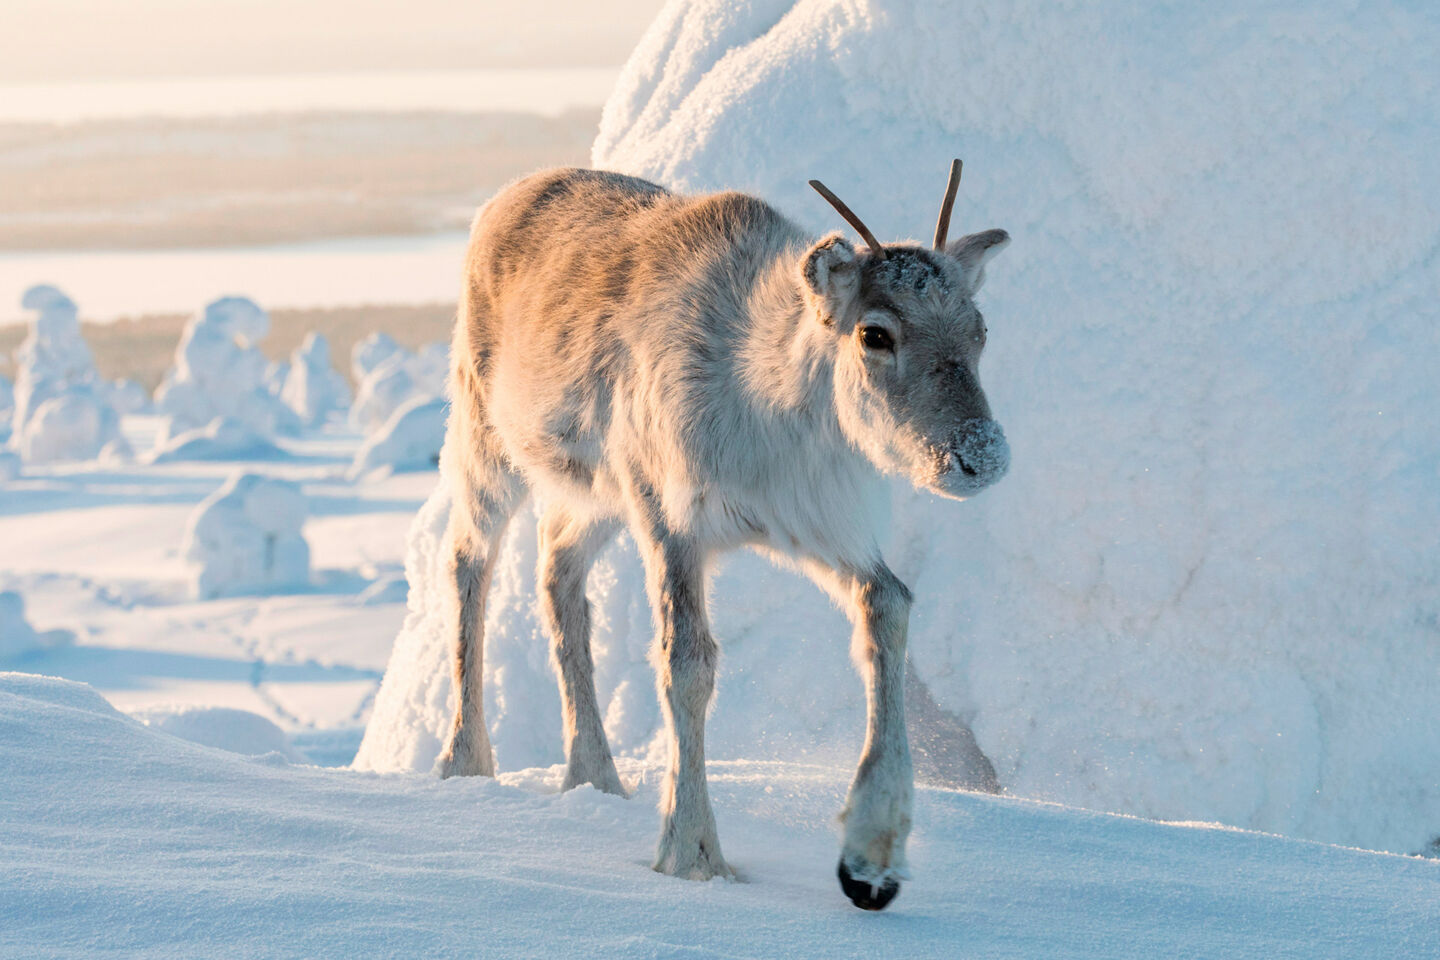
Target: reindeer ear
[[974, 251], [828, 270]]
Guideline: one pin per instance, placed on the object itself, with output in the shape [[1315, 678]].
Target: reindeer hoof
[[865, 895]]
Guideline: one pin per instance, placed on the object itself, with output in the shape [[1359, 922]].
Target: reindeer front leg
[[877, 809]]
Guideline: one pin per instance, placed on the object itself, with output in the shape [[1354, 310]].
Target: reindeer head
[[907, 343]]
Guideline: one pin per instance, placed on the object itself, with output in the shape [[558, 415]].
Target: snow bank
[[18, 637], [238, 731], [410, 440], [1207, 588], [313, 387], [62, 410], [246, 538], [219, 371], [190, 847]]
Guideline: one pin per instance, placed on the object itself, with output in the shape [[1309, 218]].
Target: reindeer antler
[[850, 218], [942, 226]]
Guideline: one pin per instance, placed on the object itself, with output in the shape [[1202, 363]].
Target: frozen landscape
[[1195, 632]]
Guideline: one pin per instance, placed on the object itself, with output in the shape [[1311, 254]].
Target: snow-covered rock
[[18, 637], [219, 371], [410, 440], [313, 387], [62, 409], [1206, 591], [246, 538], [225, 728], [224, 438], [369, 353]]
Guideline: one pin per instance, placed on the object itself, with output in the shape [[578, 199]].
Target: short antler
[[850, 218], [942, 226]]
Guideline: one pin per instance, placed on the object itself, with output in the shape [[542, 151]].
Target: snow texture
[[410, 440], [219, 371], [62, 409], [246, 538], [1207, 588], [121, 840], [313, 387]]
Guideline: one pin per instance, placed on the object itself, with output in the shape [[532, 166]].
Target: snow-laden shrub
[[223, 438], [62, 409], [399, 379], [410, 440], [1207, 588], [220, 372], [313, 387], [369, 353], [246, 538], [18, 637], [224, 728]]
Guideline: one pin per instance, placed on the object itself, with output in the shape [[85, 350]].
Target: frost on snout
[[975, 456]]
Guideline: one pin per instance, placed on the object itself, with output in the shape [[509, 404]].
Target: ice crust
[[1207, 588]]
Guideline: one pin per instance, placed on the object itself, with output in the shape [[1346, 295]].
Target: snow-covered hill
[[120, 840]]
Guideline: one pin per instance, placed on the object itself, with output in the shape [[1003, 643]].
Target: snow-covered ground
[[191, 851]]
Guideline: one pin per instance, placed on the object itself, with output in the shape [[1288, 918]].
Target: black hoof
[[864, 895]]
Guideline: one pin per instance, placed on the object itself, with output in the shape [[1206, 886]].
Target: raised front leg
[[568, 545], [685, 656], [877, 809]]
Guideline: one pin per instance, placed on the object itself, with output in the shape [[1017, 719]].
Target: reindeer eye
[[876, 338]]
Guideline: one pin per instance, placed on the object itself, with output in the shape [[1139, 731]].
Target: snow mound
[[238, 731], [1206, 590], [313, 387], [220, 372], [396, 380], [18, 637], [224, 438], [410, 440], [246, 538], [62, 409]]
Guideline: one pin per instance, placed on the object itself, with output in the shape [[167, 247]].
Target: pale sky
[[62, 40]]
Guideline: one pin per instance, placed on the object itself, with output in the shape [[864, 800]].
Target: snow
[[410, 440], [224, 728], [397, 378], [9, 465], [224, 438], [17, 637], [121, 838], [313, 387], [369, 353], [61, 408], [220, 372], [246, 538]]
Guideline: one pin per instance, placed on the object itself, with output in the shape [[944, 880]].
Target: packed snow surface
[[246, 538], [1207, 588], [122, 839]]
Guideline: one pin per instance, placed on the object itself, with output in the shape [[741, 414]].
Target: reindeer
[[699, 370]]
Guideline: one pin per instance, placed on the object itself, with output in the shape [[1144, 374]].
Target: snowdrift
[[1207, 590], [121, 839]]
